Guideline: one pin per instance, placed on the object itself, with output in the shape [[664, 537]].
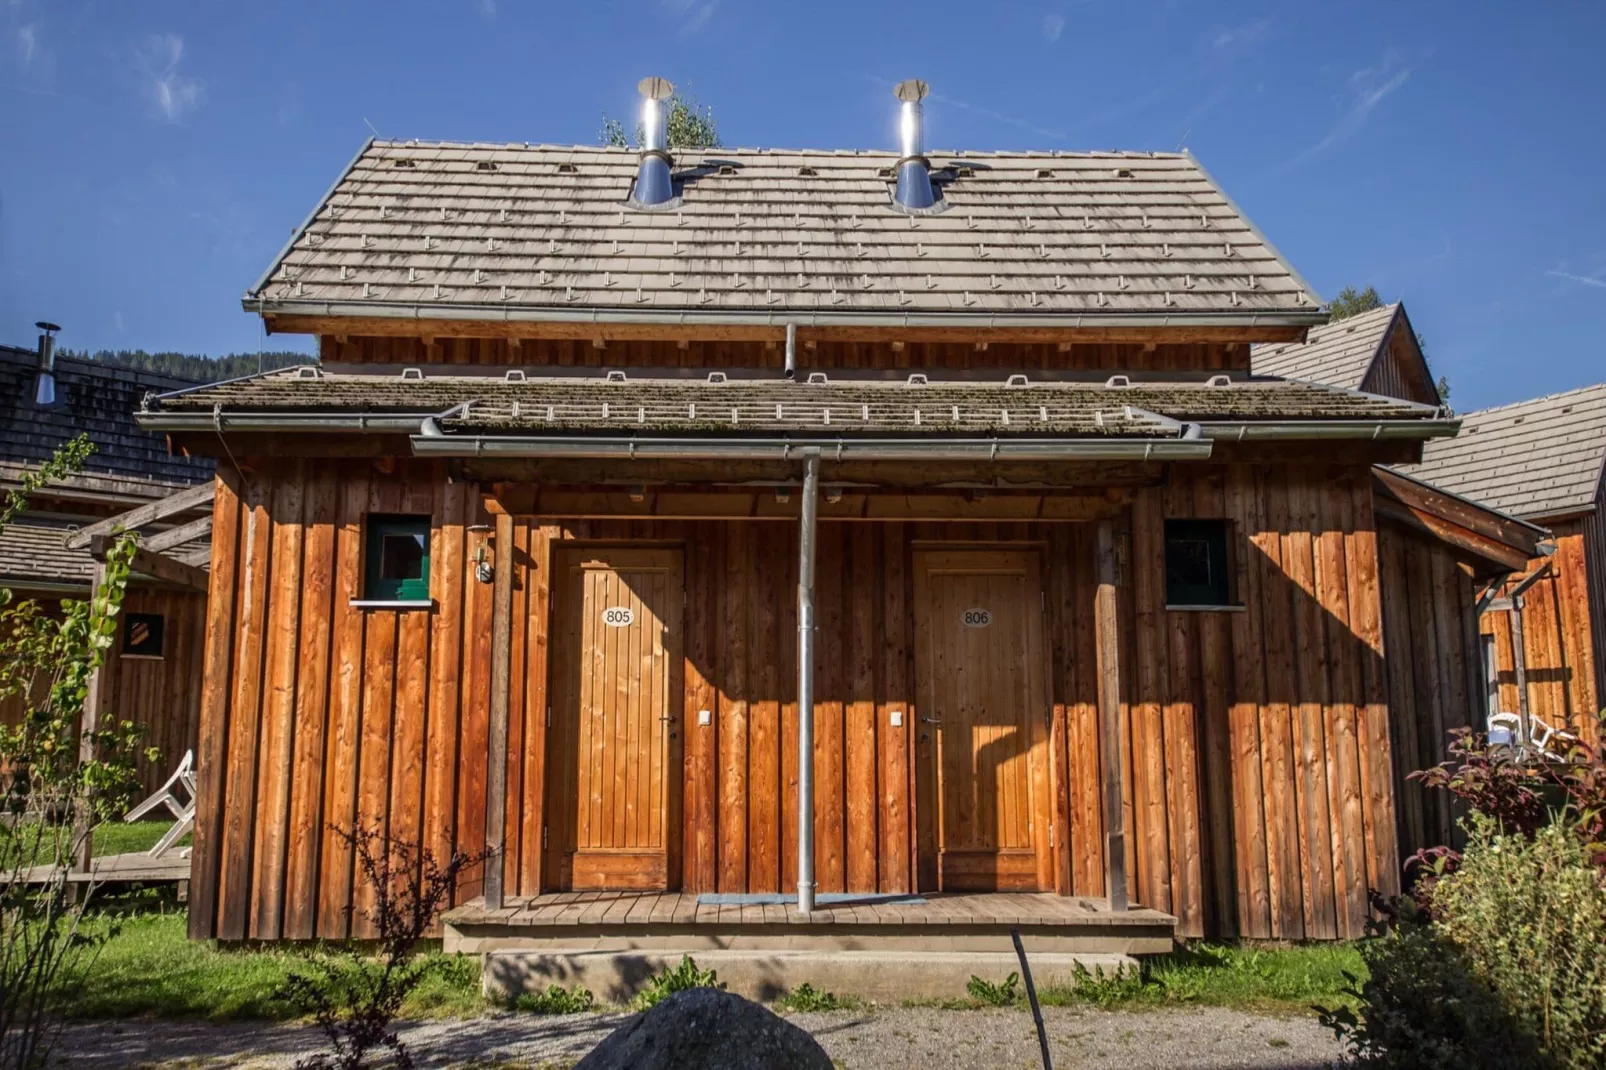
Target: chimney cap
[[46, 325], [911, 90], [656, 88]]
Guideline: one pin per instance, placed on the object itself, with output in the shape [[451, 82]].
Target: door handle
[[666, 717], [932, 720]]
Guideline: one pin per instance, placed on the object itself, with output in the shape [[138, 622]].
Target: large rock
[[706, 1028]]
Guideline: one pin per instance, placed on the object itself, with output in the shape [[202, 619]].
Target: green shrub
[[993, 994], [1114, 989], [1421, 1008], [805, 997], [556, 1000], [666, 983], [1530, 918]]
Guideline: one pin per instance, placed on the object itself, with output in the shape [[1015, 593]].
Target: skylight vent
[[404, 163], [1117, 382], [485, 165], [412, 373], [308, 372], [883, 172], [1045, 172], [716, 378], [726, 169], [807, 172], [568, 169], [1219, 380], [616, 377], [965, 172], [1123, 172], [514, 375], [1016, 380], [916, 379], [818, 378]]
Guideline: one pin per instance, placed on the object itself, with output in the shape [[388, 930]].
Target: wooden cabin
[[1543, 460], [531, 561], [153, 676]]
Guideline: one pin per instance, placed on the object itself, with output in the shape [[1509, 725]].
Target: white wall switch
[[705, 716], [897, 718]]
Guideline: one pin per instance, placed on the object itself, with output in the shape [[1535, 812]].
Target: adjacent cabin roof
[[98, 399], [1356, 352], [1540, 459], [32, 555], [438, 230], [715, 405]]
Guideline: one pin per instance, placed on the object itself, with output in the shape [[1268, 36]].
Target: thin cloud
[[1245, 35], [1369, 87], [174, 94], [692, 14], [27, 43], [1053, 26], [1000, 117], [486, 8], [1585, 280]]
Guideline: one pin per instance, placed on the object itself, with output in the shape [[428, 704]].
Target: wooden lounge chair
[[183, 810]]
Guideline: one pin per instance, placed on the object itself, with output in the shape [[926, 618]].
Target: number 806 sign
[[976, 617]]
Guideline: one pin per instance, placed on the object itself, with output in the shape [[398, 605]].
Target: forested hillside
[[192, 365]]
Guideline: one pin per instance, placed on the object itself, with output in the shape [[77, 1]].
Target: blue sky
[[157, 153]]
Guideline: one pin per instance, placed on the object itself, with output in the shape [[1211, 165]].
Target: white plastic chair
[[183, 811]]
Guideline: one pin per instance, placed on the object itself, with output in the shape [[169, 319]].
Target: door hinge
[[549, 716], [543, 835]]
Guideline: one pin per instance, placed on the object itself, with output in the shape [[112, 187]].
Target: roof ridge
[[779, 150]]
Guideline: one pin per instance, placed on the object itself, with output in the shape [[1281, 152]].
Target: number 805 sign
[[618, 616]]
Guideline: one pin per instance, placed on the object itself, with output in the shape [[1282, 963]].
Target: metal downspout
[[791, 351], [805, 683]]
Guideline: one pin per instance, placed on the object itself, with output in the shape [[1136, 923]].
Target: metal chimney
[[45, 392], [653, 186], [914, 170]]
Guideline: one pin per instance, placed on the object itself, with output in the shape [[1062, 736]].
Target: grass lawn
[[127, 837], [147, 966]]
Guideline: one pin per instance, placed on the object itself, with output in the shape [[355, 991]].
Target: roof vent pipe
[[791, 351], [653, 186], [45, 390], [914, 170]]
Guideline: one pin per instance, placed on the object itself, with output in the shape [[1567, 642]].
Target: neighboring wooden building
[[1096, 612], [1543, 460], [153, 676], [1375, 351]]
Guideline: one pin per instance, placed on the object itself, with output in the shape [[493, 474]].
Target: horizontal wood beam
[[166, 540], [385, 326], [156, 566], [1495, 556], [563, 504], [1459, 511], [193, 498]]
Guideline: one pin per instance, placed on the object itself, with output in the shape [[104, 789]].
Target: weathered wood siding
[[1435, 673], [916, 356], [1256, 741], [1559, 640], [1399, 372], [161, 695]]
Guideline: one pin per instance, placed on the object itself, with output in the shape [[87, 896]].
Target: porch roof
[[469, 404]]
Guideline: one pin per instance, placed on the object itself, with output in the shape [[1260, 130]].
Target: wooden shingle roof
[[1538, 459], [440, 230], [98, 399], [1338, 353], [593, 403]]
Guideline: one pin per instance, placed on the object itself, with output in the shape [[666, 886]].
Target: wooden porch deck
[[953, 921], [136, 867]]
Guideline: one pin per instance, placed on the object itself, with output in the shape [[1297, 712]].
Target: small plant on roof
[[691, 126]]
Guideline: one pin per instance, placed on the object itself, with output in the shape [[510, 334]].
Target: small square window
[[142, 635], [1198, 568], [397, 559]]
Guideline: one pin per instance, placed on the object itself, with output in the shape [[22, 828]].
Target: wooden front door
[[982, 729], [613, 798]]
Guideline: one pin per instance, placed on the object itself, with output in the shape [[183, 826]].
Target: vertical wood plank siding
[[1240, 727], [1434, 679], [1564, 621], [160, 695]]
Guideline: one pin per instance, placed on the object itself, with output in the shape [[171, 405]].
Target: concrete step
[[883, 976]]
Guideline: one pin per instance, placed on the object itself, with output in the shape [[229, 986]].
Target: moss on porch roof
[[844, 406]]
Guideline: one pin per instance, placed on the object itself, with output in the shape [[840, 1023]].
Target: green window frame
[[1198, 564], [396, 558]]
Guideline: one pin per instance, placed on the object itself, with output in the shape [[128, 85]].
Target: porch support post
[[1107, 646], [805, 684], [1519, 661], [496, 751], [89, 724]]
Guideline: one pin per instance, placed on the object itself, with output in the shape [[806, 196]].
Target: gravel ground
[[917, 1038]]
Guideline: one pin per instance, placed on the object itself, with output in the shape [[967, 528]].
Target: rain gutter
[[1330, 429]]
